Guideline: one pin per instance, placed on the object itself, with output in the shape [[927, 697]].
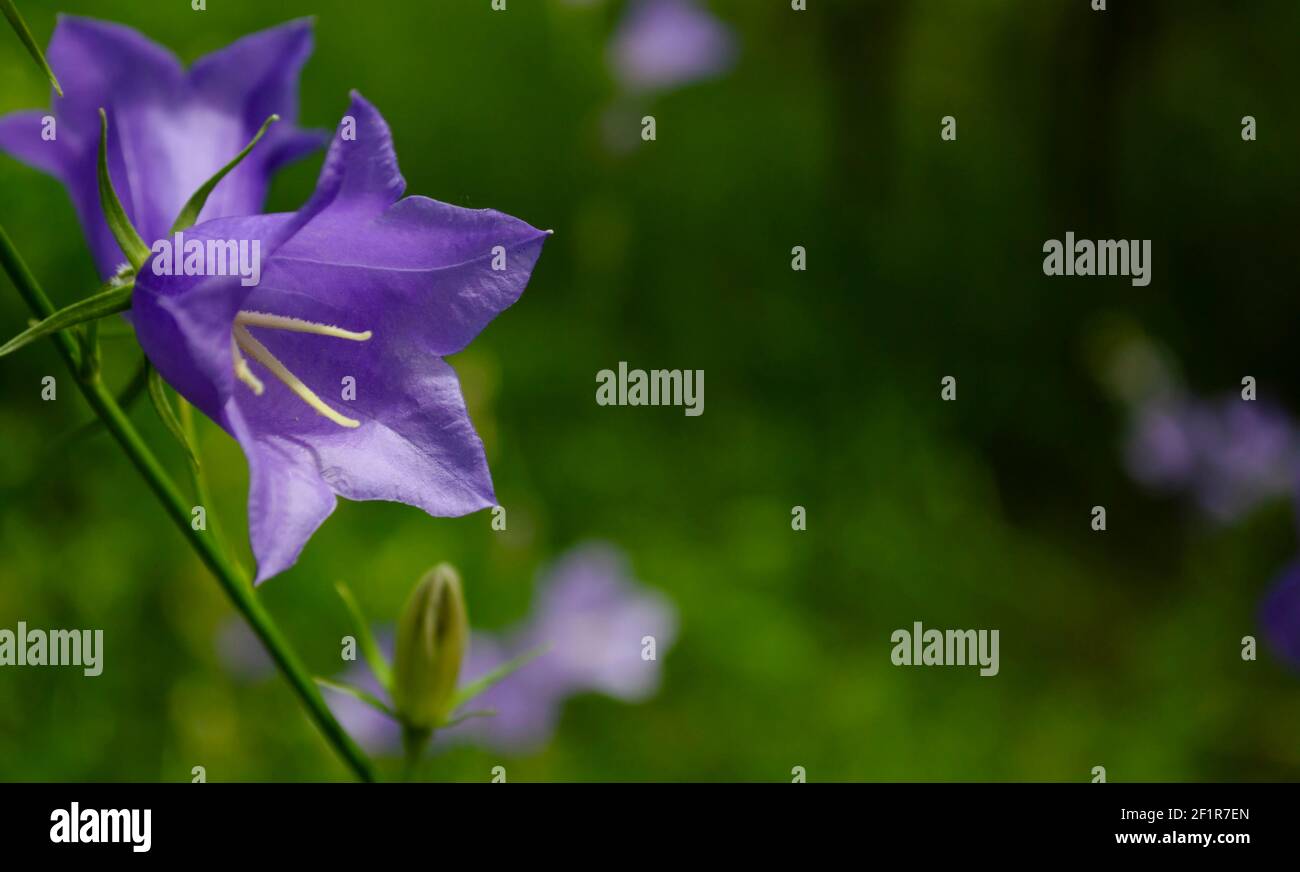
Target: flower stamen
[[259, 352], [242, 372], [297, 325]]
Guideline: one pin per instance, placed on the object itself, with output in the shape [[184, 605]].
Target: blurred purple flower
[[663, 44], [1280, 616], [594, 618], [239, 649], [410, 280], [1229, 456], [170, 129]]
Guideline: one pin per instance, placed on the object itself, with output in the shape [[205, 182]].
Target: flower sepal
[[113, 297], [194, 205], [128, 238], [10, 12], [379, 665], [481, 685]]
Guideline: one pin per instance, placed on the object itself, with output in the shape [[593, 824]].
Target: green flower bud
[[432, 635]]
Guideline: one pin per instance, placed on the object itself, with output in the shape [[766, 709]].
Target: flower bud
[[432, 635]]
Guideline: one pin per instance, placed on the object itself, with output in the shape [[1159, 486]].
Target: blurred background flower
[[660, 46], [1227, 456], [665, 44]]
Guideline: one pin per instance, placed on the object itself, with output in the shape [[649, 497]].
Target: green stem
[[231, 580], [414, 741]]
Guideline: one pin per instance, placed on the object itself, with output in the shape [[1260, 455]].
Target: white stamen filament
[[242, 372], [245, 341], [297, 325]]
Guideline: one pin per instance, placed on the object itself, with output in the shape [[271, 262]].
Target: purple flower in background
[[170, 129], [328, 372], [1280, 616], [1230, 455], [663, 44], [595, 619], [242, 652]]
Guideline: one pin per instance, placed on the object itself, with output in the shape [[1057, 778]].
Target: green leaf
[[190, 212], [474, 688], [369, 648], [113, 298], [20, 27], [127, 238], [163, 406], [357, 693]]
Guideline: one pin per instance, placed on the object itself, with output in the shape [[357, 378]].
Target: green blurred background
[[1118, 649]]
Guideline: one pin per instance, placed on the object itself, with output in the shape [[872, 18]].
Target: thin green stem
[[231, 580], [414, 741]]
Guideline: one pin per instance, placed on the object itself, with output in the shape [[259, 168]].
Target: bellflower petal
[[21, 136], [385, 287], [169, 130]]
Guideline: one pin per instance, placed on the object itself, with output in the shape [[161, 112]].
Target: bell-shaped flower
[[328, 369], [170, 129]]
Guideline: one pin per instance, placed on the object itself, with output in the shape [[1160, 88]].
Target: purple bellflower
[[593, 620], [1229, 456], [328, 371], [665, 44], [170, 129]]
